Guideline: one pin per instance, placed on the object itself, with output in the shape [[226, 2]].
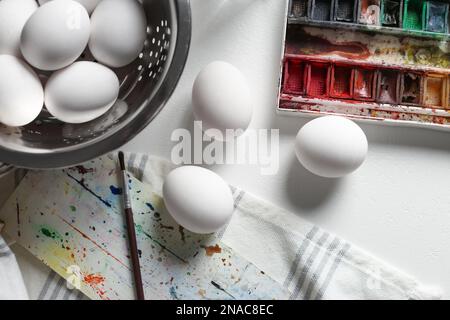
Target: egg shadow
[[304, 190], [307, 191]]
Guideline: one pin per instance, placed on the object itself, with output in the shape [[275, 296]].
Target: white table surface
[[396, 206]]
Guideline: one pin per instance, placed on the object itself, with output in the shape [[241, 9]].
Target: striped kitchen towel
[[11, 282], [308, 261], [4, 169]]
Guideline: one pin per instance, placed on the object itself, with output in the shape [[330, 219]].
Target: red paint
[[94, 279], [358, 63], [318, 79], [361, 83], [211, 250], [294, 77], [299, 42], [82, 169], [95, 243], [341, 82]]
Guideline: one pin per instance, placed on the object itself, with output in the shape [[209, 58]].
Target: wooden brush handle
[[134, 254]]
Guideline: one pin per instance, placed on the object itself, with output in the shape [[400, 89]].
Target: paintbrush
[[131, 231]]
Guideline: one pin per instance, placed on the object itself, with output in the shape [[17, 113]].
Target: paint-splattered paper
[[72, 221]]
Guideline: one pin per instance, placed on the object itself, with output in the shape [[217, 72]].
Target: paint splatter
[[219, 287], [95, 243], [73, 208], [165, 227], [173, 293], [202, 293], [181, 231], [141, 230], [150, 206], [82, 169], [115, 190], [96, 281], [93, 279], [211, 250], [50, 233], [81, 183]]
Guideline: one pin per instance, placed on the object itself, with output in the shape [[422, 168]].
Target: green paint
[[73, 208], [414, 11], [50, 233], [47, 233]]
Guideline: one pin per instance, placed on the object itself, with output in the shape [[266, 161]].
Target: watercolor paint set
[[332, 65]]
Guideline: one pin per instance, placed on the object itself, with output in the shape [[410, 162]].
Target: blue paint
[[150, 206], [85, 187], [115, 190], [173, 293]]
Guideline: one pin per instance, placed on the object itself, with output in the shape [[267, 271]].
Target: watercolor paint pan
[[413, 15], [369, 12], [436, 17], [411, 90], [364, 84], [391, 13], [388, 86], [341, 85], [435, 91], [317, 80], [322, 10], [345, 10], [294, 77], [299, 9]]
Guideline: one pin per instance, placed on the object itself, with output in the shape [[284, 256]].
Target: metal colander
[[146, 85]]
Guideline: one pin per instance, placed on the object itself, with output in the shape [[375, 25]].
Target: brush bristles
[[121, 160]]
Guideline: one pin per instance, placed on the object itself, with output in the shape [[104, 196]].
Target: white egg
[[89, 5], [81, 92], [55, 35], [221, 99], [118, 32], [21, 92], [331, 146], [13, 15], [198, 199]]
